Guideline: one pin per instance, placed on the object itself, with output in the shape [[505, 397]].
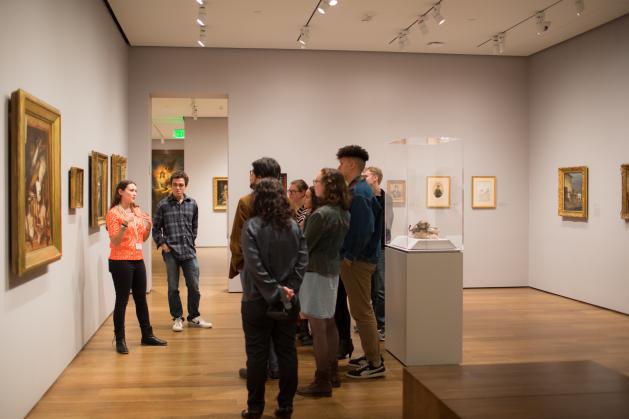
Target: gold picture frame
[[396, 189], [35, 200], [438, 191], [76, 187], [483, 192], [98, 188], [220, 193], [573, 192], [118, 171], [624, 173]]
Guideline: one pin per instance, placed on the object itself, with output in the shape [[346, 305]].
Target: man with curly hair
[[360, 253]]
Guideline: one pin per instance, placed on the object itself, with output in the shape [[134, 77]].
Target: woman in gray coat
[[325, 230]]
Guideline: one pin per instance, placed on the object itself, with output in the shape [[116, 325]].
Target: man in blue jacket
[[359, 255]]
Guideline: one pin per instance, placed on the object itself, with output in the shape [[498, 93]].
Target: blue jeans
[[190, 269], [377, 291]]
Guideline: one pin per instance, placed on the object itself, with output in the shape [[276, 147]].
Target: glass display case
[[424, 181]]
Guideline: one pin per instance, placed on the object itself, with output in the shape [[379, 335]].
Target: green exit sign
[[179, 133]]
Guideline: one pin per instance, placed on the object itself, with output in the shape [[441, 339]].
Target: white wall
[[69, 54], [205, 156], [579, 111], [283, 105]]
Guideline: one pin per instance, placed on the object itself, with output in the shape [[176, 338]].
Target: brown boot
[[335, 380], [320, 387]]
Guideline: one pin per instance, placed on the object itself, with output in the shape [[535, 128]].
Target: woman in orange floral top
[[128, 228]]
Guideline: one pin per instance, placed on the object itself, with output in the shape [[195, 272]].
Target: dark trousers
[[190, 268], [377, 291], [341, 315], [129, 275], [260, 330]]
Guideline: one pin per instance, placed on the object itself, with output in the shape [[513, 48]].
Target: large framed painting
[[438, 191], [76, 187], [35, 198], [164, 163], [483, 192], [573, 192], [624, 196], [98, 188], [397, 191], [118, 171], [219, 198]]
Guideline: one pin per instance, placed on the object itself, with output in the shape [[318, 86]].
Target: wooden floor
[[196, 375]]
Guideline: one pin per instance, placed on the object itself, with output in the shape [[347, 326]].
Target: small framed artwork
[[284, 181], [438, 191], [35, 193], [397, 191], [76, 187], [219, 198], [118, 171], [98, 188], [483, 192], [573, 192], [624, 173]]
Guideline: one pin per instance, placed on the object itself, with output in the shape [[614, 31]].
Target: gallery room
[[501, 132]]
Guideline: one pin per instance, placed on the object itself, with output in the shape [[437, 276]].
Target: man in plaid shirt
[[175, 226]]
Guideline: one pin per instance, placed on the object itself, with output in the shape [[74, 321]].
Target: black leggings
[[341, 315], [129, 275]]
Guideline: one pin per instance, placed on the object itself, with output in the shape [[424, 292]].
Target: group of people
[[304, 255]]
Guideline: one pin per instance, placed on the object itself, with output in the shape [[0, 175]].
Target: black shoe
[[284, 412], [242, 373], [148, 338], [306, 340], [367, 371], [247, 414], [121, 346], [273, 374], [346, 349]]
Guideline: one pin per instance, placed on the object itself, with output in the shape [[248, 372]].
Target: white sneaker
[[178, 325], [199, 322]]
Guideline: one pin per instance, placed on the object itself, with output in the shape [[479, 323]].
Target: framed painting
[[163, 164], [438, 191], [396, 189], [219, 198], [624, 173], [35, 197], [118, 171], [483, 192], [573, 192], [98, 188], [76, 188], [284, 181]]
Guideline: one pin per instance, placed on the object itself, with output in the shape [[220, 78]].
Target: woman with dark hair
[[296, 196], [325, 230], [311, 203], [275, 258], [128, 228]]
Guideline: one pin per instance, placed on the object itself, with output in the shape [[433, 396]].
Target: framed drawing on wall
[[483, 192], [573, 192], [35, 195], [284, 181], [624, 173], [397, 191], [98, 188], [118, 171], [438, 191], [219, 197], [76, 188]]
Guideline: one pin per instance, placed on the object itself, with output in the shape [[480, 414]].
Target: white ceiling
[[168, 113], [276, 24]]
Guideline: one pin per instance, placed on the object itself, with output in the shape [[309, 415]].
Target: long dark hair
[[122, 185], [271, 204], [335, 191], [315, 202]]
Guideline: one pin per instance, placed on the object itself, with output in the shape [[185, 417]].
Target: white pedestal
[[424, 306]]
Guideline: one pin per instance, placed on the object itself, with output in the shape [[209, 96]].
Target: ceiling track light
[[202, 16], [333, 3], [580, 6], [541, 23], [202, 37], [423, 28], [200, 2], [322, 7], [402, 38], [498, 41], [436, 14], [304, 37]]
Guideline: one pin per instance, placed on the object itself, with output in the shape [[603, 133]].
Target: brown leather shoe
[[320, 387]]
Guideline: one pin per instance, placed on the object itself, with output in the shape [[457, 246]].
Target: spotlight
[[322, 7], [402, 38], [333, 2], [499, 43], [202, 17], [436, 14], [422, 25], [304, 36], [200, 2], [542, 24], [580, 6], [202, 36]]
